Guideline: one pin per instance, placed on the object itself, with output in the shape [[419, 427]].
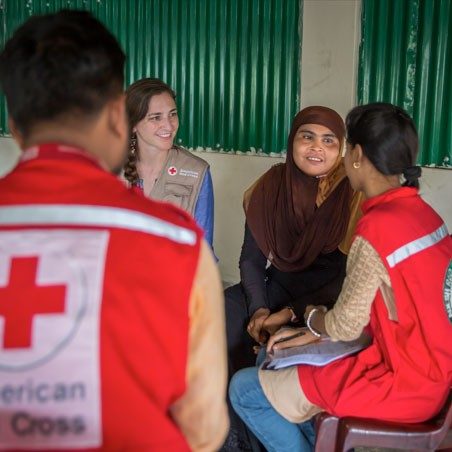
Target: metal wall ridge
[[406, 59], [234, 64]]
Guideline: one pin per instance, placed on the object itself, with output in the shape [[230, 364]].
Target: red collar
[[400, 192]]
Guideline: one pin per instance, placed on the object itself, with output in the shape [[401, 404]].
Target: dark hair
[[138, 96], [388, 138], [60, 64]]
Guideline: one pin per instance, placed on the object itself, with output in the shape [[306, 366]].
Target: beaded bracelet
[[308, 323]]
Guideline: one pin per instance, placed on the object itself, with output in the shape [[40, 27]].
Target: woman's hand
[[275, 321], [298, 336], [254, 328]]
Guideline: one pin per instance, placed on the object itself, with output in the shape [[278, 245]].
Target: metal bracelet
[[293, 316]]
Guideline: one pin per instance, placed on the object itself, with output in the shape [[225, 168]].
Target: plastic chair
[[342, 434]]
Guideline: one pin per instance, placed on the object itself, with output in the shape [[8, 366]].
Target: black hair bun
[[412, 173]]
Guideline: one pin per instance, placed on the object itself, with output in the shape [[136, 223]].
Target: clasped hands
[[265, 327]]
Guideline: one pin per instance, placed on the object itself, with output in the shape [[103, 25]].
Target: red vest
[[94, 288], [406, 373]]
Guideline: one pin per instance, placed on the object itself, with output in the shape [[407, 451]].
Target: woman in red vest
[[399, 273]]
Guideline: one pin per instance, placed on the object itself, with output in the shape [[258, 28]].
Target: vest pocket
[[178, 194]]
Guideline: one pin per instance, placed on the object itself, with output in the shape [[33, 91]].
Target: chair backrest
[[447, 422], [343, 434]]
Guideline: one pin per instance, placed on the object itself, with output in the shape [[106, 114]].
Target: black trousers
[[241, 355]]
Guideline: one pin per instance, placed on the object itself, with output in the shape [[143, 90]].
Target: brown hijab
[[294, 217]]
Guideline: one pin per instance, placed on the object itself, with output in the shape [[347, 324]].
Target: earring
[[356, 165], [133, 145]]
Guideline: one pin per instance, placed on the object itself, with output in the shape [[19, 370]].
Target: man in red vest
[[111, 323]]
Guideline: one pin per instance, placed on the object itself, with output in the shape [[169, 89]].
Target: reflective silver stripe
[[415, 246], [94, 216]]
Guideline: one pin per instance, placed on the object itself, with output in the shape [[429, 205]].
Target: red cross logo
[[172, 170], [22, 299]]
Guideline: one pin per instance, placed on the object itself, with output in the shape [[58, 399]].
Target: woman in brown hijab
[[299, 216]]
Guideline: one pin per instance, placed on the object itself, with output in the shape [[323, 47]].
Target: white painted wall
[[328, 71], [9, 153], [331, 30]]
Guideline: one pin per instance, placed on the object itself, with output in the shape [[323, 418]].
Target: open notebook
[[319, 353]]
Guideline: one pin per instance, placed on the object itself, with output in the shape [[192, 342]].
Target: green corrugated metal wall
[[406, 59], [233, 63]]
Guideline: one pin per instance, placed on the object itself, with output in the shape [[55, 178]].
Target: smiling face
[[315, 149], [159, 126]]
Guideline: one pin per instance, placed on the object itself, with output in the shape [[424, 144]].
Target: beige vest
[[180, 180]]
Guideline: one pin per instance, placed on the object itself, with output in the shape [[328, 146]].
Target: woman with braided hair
[[155, 165]]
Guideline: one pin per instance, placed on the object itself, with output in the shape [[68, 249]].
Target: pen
[[288, 338]]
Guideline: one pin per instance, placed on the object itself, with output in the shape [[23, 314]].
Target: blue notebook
[[319, 353]]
